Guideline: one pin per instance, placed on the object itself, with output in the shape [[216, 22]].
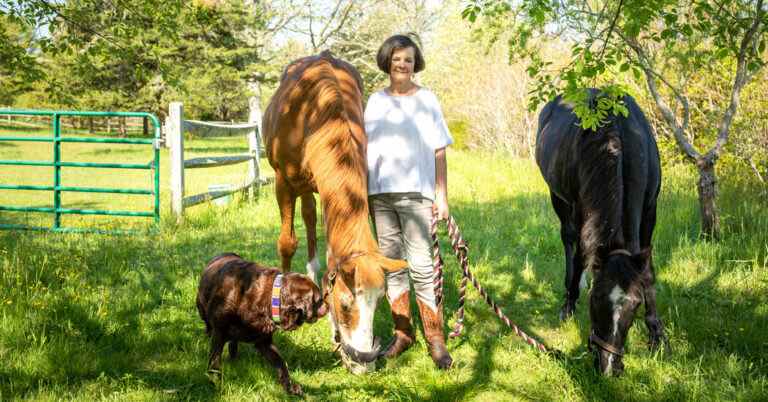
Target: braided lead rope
[[460, 249], [437, 261]]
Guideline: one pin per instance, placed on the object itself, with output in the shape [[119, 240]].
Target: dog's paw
[[294, 389]]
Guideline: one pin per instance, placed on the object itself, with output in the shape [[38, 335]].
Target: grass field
[[100, 317]]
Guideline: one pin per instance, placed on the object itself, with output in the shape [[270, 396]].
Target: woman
[[407, 136]]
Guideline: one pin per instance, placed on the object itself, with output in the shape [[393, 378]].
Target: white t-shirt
[[403, 134]]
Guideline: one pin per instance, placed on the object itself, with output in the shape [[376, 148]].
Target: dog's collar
[[276, 287]]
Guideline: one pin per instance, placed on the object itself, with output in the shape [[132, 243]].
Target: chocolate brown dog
[[241, 301]]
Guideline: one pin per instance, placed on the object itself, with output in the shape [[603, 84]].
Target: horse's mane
[[335, 155], [601, 191]]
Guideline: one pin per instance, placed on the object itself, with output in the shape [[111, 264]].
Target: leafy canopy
[[601, 35]]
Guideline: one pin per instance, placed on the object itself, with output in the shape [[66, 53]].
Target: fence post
[[254, 174], [175, 138]]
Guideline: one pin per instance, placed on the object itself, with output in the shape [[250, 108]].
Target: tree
[[93, 27], [666, 42], [373, 22], [18, 65], [482, 94], [132, 56]]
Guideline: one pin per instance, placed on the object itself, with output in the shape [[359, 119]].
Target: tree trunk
[[710, 221]]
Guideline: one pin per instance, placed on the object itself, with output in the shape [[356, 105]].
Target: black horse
[[603, 184]]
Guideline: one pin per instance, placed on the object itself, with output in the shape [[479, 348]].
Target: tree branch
[[610, 29], [678, 130], [341, 23], [738, 83]]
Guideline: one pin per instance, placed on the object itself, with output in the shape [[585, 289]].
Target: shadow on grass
[[152, 334], [141, 330]]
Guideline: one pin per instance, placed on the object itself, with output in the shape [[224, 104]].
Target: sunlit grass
[[99, 317]]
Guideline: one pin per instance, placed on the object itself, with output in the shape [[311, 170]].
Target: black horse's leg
[[573, 265], [652, 320], [232, 350]]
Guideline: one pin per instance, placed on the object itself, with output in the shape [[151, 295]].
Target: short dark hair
[[395, 42]]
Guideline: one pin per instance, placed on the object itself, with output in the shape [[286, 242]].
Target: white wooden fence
[[176, 125]]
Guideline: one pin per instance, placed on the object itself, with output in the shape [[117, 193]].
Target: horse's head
[[354, 284], [617, 292]]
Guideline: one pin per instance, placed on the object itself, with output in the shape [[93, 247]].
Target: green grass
[[99, 317]]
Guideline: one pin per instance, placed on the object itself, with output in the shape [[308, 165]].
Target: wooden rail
[[212, 195], [175, 128], [214, 161]]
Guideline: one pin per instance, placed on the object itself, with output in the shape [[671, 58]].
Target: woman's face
[[403, 61]]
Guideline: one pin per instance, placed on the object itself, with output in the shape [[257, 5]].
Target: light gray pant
[[402, 223]]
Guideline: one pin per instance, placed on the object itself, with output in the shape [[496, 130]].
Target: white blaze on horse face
[[313, 269], [618, 297], [361, 338]]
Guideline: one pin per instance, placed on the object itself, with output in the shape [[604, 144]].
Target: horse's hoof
[[214, 376], [656, 340]]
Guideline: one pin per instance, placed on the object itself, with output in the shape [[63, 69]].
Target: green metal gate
[[58, 210]]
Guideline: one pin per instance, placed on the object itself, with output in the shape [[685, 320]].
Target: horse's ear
[[390, 265]]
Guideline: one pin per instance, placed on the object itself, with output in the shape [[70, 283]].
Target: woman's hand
[[441, 208]]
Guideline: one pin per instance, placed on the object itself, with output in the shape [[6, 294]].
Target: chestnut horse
[[315, 141], [603, 184]]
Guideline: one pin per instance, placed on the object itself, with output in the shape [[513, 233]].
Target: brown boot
[[433, 333], [404, 337]]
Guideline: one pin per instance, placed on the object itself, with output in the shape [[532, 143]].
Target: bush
[[458, 129]]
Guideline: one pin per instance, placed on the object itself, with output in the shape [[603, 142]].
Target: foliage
[[100, 30], [459, 132], [206, 55], [601, 34], [142, 54], [18, 66], [476, 84]]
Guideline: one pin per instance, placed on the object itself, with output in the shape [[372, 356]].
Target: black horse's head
[[617, 292]]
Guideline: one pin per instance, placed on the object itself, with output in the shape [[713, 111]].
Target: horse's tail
[[601, 190]]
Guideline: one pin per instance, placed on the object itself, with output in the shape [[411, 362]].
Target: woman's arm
[[441, 184]]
